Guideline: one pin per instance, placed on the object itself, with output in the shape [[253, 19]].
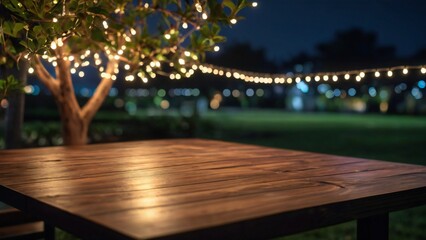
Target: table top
[[186, 188]]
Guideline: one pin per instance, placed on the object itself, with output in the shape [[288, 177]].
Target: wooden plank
[[193, 187]]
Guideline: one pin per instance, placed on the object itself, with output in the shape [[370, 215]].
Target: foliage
[[135, 32], [10, 83]]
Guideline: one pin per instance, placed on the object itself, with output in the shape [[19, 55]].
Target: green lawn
[[390, 138]]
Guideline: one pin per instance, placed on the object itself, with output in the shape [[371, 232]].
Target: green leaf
[[229, 4], [17, 27]]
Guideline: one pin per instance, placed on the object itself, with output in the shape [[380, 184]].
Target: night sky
[[285, 28]]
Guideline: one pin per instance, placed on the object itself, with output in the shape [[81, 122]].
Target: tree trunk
[[15, 111], [74, 128]]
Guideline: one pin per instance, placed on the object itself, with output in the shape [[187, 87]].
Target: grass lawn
[[390, 138]]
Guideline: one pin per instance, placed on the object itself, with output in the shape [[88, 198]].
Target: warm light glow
[[198, 7], [390, 73], [30, 70], [53, 45], [347, 76], [358, 78], [405, 71], [81, 74], [127, 66], [167, 36], [105, 24], [377, 74], [423, 70], [132, 31], [55, 20], [307, 78], [233, 21], [317, 78], [362, 74], [204, 16], [254, 4], [325, 77], [335, 78], [60, 43], [216, 48], [184, 25], [181, 61]]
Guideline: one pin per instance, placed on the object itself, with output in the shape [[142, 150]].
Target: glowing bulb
[[132, 31], [317, 78], [347, 76], [390, 73], [204, 16], [105, 24], [127, 66], [358, 78], [55, 20], [423, 70], [53, 45], [254, 4], [335, 78], [377, 74], [289, 80], [172, 76], [167, 36], [325, 77], [307, 78], [73, 70], [405, 71], [184, 25], [198, 7], [81, 74], [178, 76], [233, 21], [181, 61], [30, 70], [187, 53], [362, 74], [216, 48]]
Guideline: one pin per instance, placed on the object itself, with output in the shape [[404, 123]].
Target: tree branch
[[44, 76], [95, 102], [65, 80]]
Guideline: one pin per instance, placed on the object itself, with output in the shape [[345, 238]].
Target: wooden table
[[172, 189]]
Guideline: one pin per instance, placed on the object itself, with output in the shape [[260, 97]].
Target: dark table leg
[[374, 227], [49, 231]]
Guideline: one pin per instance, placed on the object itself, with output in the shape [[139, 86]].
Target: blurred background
[[378, 118]]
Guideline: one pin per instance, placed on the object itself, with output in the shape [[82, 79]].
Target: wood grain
[[189, 188]]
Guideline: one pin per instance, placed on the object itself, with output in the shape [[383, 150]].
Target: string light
[[254, 4], [405, 71], [285, 78], [377, 74], [233, 21]]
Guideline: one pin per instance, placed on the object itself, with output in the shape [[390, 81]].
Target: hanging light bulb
[[377, 74]]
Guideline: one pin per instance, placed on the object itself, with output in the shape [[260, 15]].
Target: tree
[[143, 38]]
